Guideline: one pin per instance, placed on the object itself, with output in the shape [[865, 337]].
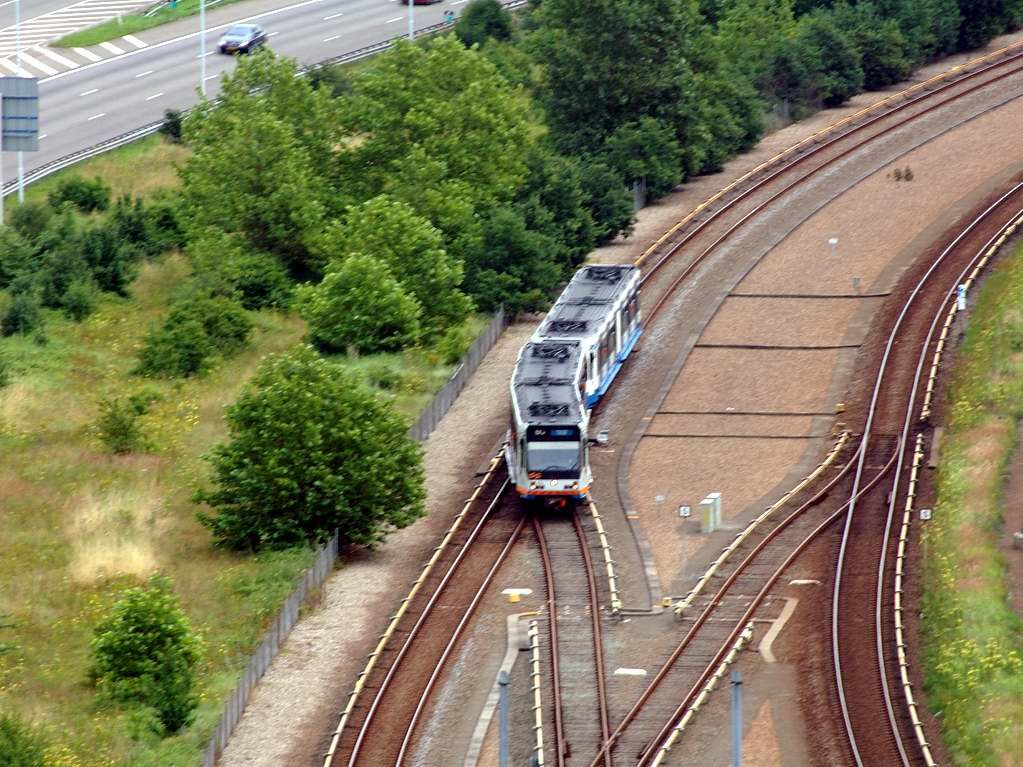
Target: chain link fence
[[273, 638]]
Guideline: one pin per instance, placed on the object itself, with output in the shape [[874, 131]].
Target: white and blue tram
[[562, 372]]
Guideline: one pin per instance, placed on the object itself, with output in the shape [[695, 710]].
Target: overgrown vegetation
[[145, 653], [311, 451], [973, 640]]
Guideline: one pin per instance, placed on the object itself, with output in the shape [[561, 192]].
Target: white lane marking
[[112, 48], [459, 2], [210, 77], [208, 53], [89, 92], [42, 136], [154, 96], [96, 117], [396, 18], [272, 34], [135, 41], [143, 74], [332, 16], [332, 37], [190, 35], [87, 54], [9, 67], [45, 68], [776, 626], [54, 56]]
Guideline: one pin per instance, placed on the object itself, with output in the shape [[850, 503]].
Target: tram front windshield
[[554, 459]]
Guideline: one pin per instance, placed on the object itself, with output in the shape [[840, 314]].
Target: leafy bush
[[179, 349], [79, 300], [193, 332], [145, 654], [454, 343], [385, 376], [482, 20], [87, 196], [30, 218], [24, 315], [16, 255], [171, 128], [312, 450], [20, 744], [360, 305], [118, 426]]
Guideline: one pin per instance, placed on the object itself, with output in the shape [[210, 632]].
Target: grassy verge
[[973, 643], [131, 24], [79, 525]]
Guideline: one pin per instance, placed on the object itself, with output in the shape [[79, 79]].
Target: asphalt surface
[[97, 101]]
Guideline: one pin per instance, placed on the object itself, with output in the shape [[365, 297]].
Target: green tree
[[883, 48], [482, 21], [750, 32], [256, 168], [20, 744], [195, 330], [413, 250], [145, 653], [312, 450], [30, 218], [16, 255], [227, 267], [984, 19], [840, 73], [611, 62], [360, 305], [24, 315], [931, 27], [436, 127], [646, 150]]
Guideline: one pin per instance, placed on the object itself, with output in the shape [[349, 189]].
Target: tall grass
[[973, 643]]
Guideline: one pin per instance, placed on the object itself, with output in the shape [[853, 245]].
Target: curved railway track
[[653, 726], [382, 731], [865, 554]]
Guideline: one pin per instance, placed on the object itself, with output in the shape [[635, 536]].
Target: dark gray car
[[242, 38]]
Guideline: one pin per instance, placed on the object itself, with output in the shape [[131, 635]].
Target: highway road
[[96, 101]]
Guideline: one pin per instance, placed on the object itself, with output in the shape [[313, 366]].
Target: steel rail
[[988, 62], [754, 605], [904, 441], [813, 153], [715, 601], [414, 632], [552, 612], [598, 641], [456, 635], [872, 409]]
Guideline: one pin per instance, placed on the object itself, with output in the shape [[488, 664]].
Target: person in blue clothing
[[449, 17]]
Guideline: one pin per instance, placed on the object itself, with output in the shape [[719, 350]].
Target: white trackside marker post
[[961, 298]]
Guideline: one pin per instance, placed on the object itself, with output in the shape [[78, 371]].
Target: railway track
[[867, 674], [393, 692], [381, 730], [578, 681]]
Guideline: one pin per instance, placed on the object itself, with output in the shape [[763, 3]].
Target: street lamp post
[[17, 61], [411, 23], [202, 47]]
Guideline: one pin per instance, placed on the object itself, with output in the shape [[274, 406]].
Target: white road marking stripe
[[54, 56], [143, 74], [396, 18], [89, 92], [86, 54], [42, 136], [332, 16], [37, 64], [332, 37], [9, 66], [135, 41], [112, 48], [154, 96], [272, 34], [96, 117]]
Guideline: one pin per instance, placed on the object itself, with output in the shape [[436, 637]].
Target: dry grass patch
[[114, 532]]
